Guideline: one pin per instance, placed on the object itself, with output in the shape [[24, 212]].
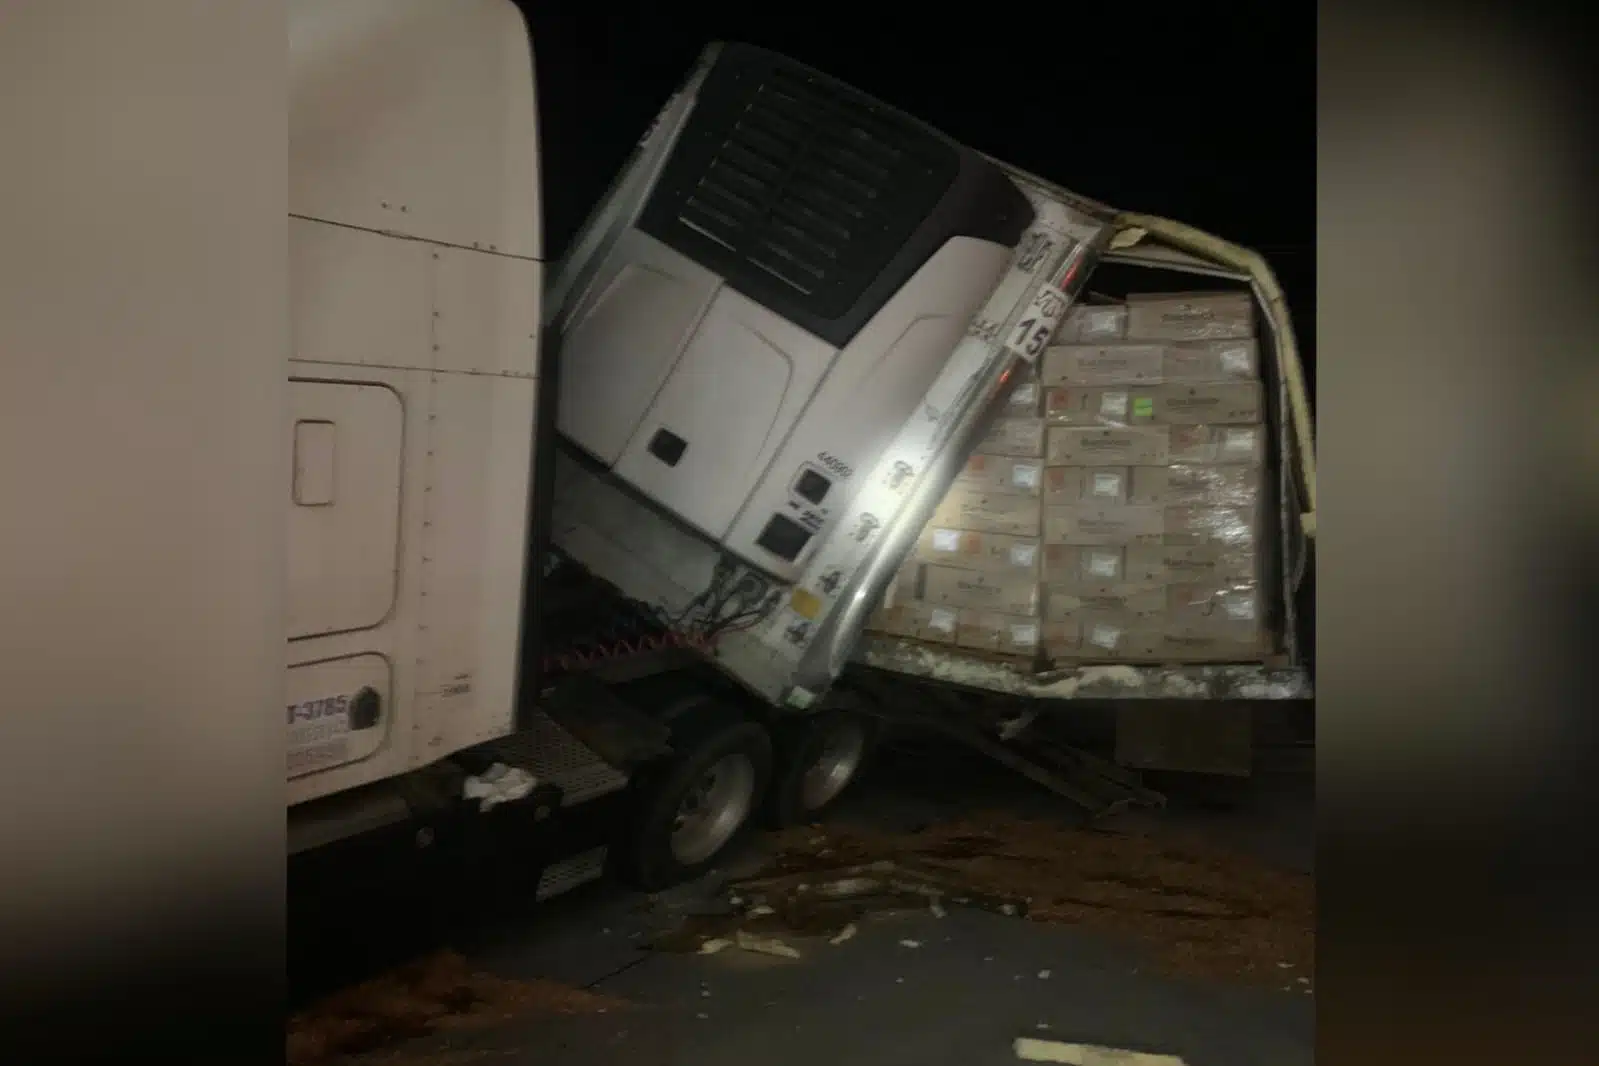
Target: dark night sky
[[1208, 118]]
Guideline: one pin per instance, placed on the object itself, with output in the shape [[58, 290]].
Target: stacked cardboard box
[[974, 577], [1152, 482]]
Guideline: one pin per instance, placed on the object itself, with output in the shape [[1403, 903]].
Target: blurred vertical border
[[144, 330], [1458, 367]]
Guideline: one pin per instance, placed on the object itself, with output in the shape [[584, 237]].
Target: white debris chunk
[[847, 887], [1014, 727], [1285, 966], [1034, 1049], [760, 911], [843, 934], [910, 943], [1041, 1025], [711, 947], [1008, 909], [937, 908], [1043, 975], [764, 945], [498, 784], [702, 1016]]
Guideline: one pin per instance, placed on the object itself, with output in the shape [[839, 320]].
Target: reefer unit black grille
[[804, 193]]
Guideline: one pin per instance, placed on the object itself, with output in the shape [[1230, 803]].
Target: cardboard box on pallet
[[973, 510], [1195, 316], [1147, 600], [1220, 527], [994, 553], [1188, 484], [1093, 324], [1170, 563], [1012, 594], [1220, 360], [1003, 474], [1090, 525], [1021, 437], [907, 611], [1188, 648], [1108, 446], [1114, 363], [1213, 444], [1154, 445], [1179, 404], [1071, 566], [1117, 637], [928, 622], [1003, 633], [1085, 365], [1215, 610], [1180, 484], [1216, 620], [1026, 396], [1066, 486], [979, 554]]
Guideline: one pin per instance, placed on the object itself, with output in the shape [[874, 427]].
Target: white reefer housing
[[415, 283], [751, 320]]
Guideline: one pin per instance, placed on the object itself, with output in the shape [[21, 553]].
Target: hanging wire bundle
[[588, 621]]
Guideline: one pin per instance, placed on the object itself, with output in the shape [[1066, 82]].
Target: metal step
[[567, 874], [554, 756]]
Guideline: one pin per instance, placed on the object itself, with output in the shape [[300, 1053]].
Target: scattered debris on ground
[[1204, 912], [434, 994]]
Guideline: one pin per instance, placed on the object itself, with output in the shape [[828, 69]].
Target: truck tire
[[691, 808], [818, 757]]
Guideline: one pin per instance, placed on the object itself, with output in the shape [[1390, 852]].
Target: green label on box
[[1143, 407]]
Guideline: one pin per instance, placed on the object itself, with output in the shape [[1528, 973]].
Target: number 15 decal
[[1037, 324]]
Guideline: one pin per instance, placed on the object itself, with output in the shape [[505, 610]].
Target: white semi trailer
[[602, 536]]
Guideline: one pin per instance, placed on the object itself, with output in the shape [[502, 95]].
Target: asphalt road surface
[[575, 981]]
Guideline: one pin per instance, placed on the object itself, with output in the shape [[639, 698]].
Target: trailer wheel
[[818, 757], [697, 804]]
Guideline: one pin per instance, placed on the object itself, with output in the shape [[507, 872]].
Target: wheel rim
[[835, 765], [713, 809]]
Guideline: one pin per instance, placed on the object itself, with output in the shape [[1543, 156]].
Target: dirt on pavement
[[1200, 910], [437, 993]]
